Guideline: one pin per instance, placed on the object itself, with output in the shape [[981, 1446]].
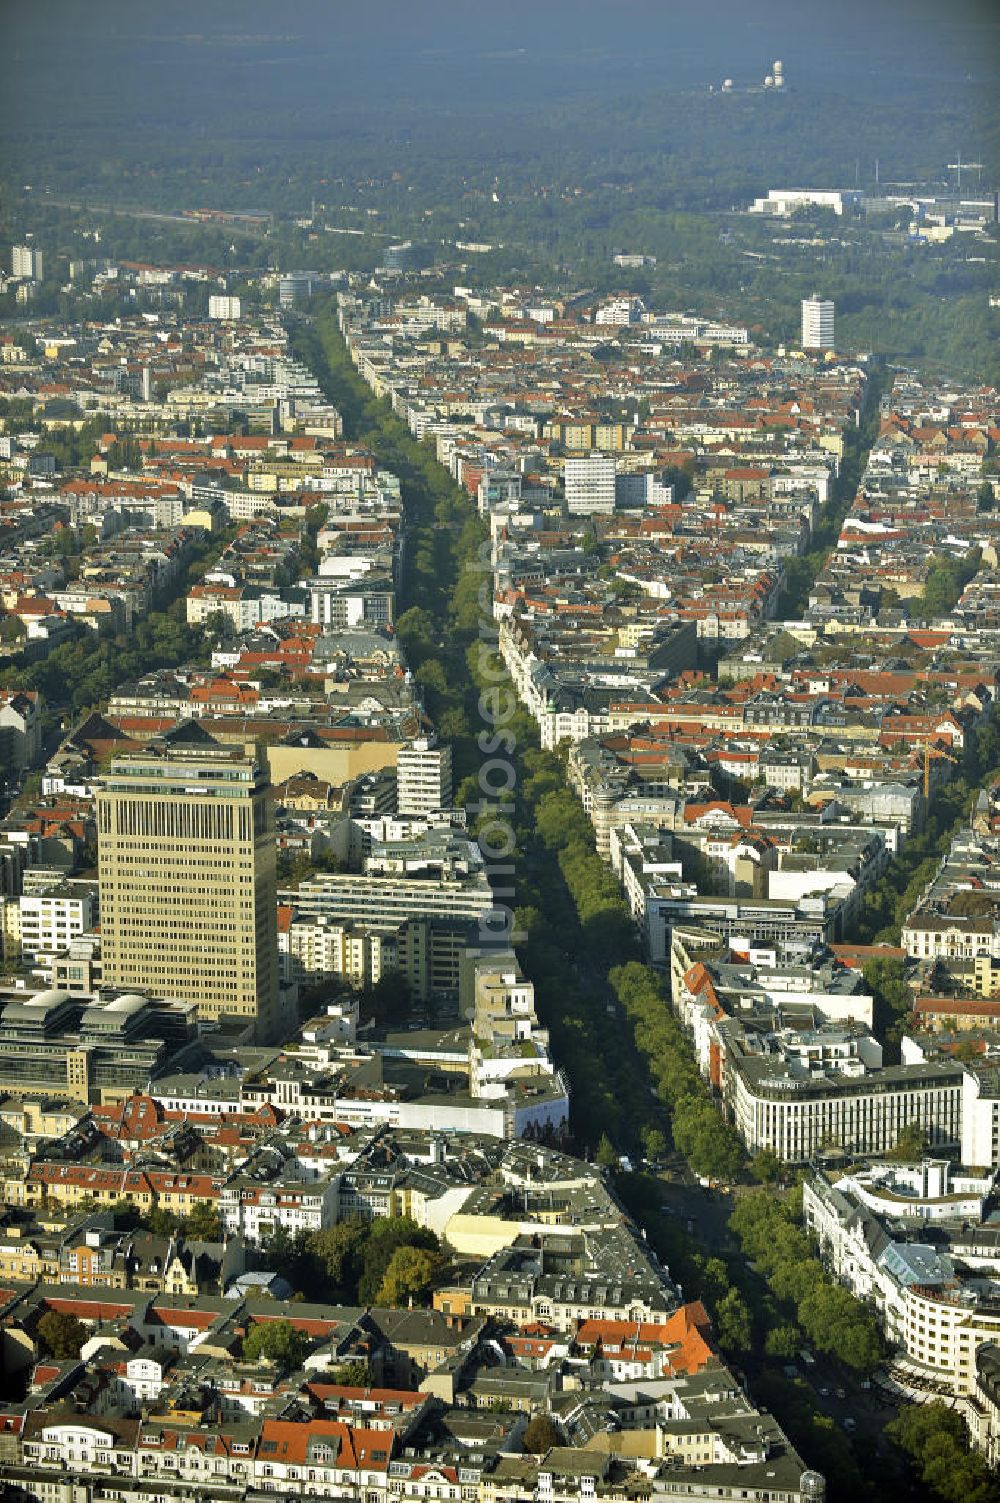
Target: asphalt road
[[702, 1213], [871, 1409]]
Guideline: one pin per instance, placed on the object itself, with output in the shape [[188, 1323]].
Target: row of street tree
[[579, 946]]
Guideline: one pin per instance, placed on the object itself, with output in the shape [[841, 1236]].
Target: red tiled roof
[[958, 1007], [686, 1330]]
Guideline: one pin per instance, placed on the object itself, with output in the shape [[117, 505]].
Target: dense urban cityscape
[[499, 844]]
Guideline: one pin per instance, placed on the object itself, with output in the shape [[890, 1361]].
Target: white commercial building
[[220, 306], [799, 1108], [295, 286], [340, 605], [817, 323], [981, 1116], [642, 488], [49, 921], [423, 777], [784, 201], [590, 485], [27, 262], [620, 312], [935, 1314]]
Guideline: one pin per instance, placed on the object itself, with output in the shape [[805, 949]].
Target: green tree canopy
[[410, 1275], [972, 903], [766, 1166], [387, 1235], [389, 998], [606, 1156], [160, 1222], [910, 1145], [354, 1374], [61, 1335], [935, 1438], [733, 1323], [202, 1223], [831, 1318], [126, 1215], [945, 580], [541, 1434], [275, 1341], [893, 997], [782, 1341], [339, 1251]]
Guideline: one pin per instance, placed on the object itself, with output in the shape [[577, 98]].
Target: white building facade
[[817, 323], [590, 485]]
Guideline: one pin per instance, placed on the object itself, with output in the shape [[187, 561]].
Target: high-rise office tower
[[817, 323], [27, 262], [187, 864], [222, 306], [423, 777], [590, 485]]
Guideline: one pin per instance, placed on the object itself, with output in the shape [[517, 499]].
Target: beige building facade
[[186, 859]]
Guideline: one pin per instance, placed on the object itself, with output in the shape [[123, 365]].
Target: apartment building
[[420, 925], [312, 948], [930, 935], [20, 728], [223, 307]]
